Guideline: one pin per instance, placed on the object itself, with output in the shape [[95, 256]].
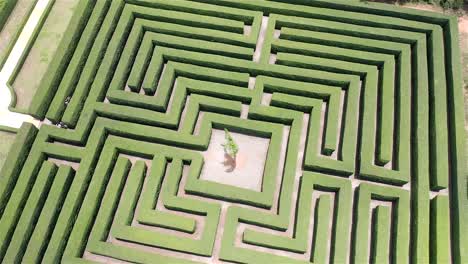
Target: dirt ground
[[14, 22], [247, 172]]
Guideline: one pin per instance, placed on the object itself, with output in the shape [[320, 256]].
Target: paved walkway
[[8, 118]]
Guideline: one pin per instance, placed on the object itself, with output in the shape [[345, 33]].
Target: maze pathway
[[360, 104]]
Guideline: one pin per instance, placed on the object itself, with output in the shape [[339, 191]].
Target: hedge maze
[[361, 103]]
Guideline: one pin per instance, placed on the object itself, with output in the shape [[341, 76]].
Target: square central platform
[[247, 171]]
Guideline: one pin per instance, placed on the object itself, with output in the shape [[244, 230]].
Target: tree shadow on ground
[[229, 162]]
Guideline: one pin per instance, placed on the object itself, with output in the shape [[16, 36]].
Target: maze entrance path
[[360, 106]]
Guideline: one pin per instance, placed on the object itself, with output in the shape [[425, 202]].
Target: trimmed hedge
[[15, 160], [383, 81], [6, 7]]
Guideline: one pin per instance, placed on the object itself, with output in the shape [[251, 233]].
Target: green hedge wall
[[361, 103], [6, 7]]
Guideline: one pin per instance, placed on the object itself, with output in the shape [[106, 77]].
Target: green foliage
[[6, 6], [387, 75], [446, 4], [455, 4], [230, 147]]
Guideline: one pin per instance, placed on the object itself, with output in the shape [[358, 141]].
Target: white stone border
[[8, 118]]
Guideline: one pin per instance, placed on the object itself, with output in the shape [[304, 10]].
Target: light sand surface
[[247, 172]]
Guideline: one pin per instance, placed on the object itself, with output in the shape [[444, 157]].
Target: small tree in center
[[230, 147]]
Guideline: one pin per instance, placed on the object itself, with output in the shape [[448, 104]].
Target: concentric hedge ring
[[361, 104]]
